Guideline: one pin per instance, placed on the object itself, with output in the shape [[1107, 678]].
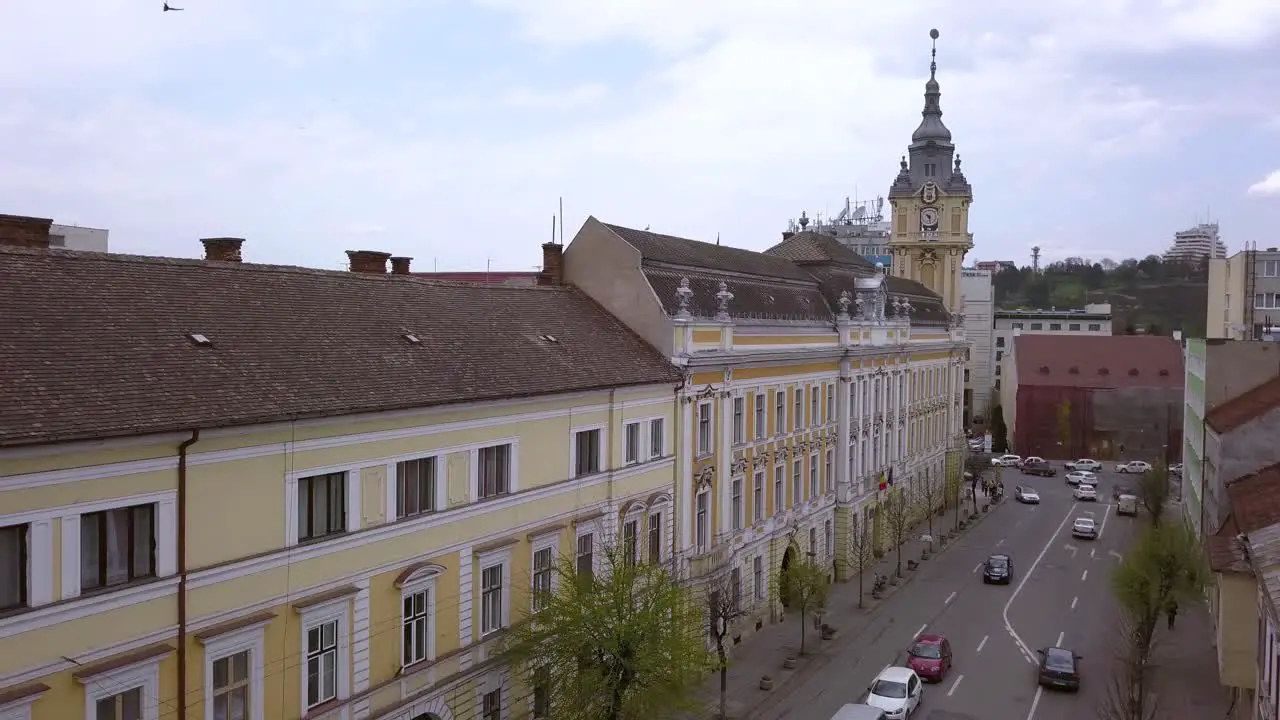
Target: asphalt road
[[1059, 595]]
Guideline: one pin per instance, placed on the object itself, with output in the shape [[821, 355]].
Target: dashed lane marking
[[1035, 703], [921, 630], [955, 685], [1026, 651], [983, 643], [1061, 635], [950, 597], [1084, 576], [1074, 600], [977, 567]]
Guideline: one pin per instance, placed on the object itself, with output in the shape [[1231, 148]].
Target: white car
[[1080, 477], [896, 691], [1033, 460], [1084, 464], [1135, 466], [1085, 492], [1175, 469], [1026, 495], [1007, 460], [1084, 527]]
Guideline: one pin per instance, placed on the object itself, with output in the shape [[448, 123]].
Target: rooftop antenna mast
[[561, 220], [1035, 259]]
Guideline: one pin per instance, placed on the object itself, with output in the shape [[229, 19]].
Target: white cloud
[[574, 98], [1267, 186]]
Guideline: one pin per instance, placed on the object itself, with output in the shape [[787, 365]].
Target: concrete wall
[[979, 306], [1068, 422], [1243, 451]]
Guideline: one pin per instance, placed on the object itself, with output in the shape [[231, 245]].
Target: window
[[415, 487], [1073, 327], [999, 355], [231, 687], [234, 674], [121, 706], [542, 692], [966, 374], [997, 385], [655, 537], [655, 438], [493, 471], [1095, 327], [13, 567], [1055, 326], [779, 411], [758, 407], [415, 626], [828, 470], [1000, 341], [322, 663], [543, 570], [831, 403], [491, 705], [492, 607], [797, 412], [735, 588], [796, 487], [1270, 268], [813, 477], [1017, 326], [1266, 301], [814, 419], [757, 576], [828, 539], [586, 452], [702, 528], [778, 500], [632, 443], [631, 541], [757, 496], [704, 428], [998, 370], [586, 563], [117, 546], [737, 508], [1037, 326], [813, 542], [739, 420]]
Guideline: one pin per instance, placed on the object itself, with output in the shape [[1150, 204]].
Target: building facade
[[1244, 296], [1094, 319], [979, 297], [227, 509], [1196, 245], [809, 376], [1239, 439]]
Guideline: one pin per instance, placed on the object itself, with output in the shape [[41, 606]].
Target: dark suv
[[1059, 668], [1042, 469]]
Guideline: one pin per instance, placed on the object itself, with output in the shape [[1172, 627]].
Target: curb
[[778, 694]]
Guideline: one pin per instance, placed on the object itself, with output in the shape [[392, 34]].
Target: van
[[1126, 505], [857, 711]]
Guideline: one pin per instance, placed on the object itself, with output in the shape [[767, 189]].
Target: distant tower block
[[1035, 259]]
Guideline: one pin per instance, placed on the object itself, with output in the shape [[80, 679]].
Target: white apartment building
[[74, 237], [1198, 244], [1244, 295], [979, 321], [1093, 319]]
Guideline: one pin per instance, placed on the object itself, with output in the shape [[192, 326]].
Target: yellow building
[[246, 492], [809, 374]]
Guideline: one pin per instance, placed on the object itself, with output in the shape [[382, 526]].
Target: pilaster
[[724, 460], [684, 492]]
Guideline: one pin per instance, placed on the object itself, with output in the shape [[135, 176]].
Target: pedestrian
[[1173, 612]]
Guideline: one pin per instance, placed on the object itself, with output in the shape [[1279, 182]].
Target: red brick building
[[1100, 396]]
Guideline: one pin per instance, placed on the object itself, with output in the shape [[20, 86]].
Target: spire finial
[[933, 62]]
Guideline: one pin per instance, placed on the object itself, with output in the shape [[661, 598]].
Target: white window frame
[[815, 482], [738, 519], [739, 419], [39, 559], [500, 556], [780, 411], [797, 481], [338, 610], [656, 452], [702, 527], [829, 468], [815, 407], [759, 578], [20, 709], [547, 542], [353, 492], [421, 579], [661, 512], [757, 495], [493, 681], [831, 403], [779, 487], [760, 415], [705, 446], [42, 540], [596, 531], [638, 516], [633, 453], [601, 450], [145, 674], [473, 469], [252, 639], [797, 400], [442, 484]]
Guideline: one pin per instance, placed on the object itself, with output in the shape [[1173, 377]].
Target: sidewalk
[[1186, 669], [764, 651]]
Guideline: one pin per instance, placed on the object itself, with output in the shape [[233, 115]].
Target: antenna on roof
[[553, 229], [717, 238], [561, 219]]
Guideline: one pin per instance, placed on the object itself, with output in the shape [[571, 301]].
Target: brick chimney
[[222, 249], [368, 261], [400, 265], [787, 235], [23, 231], [552, 264]]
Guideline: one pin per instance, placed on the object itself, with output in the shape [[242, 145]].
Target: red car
[[930, 657]]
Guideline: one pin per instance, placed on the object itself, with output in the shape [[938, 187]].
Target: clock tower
[[930, 201]]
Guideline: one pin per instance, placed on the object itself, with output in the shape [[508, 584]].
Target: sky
[[449, 131]]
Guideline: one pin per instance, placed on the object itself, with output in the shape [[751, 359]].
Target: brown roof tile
[[96, 345], [815, 247], [1226, 551], [1245, 407], [1255, 499], [1099, 361], [668, 249]]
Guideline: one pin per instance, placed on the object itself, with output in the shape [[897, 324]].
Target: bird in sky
[[167, 8]]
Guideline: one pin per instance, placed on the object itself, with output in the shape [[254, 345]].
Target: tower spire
[[933, 62]]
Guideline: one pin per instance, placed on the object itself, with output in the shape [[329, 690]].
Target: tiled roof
[[1245, 407], [671, 250], [1099, 361], [815, 247], [1227, 553], [490, 278], [95, 345], [1255, 499], [1264, 552]]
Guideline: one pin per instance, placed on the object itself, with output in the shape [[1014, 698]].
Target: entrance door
[[784, 580]]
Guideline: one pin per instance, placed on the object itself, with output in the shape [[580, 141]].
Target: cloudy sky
[[446, 130]]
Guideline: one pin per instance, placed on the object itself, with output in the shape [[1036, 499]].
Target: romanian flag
[[886, 479]]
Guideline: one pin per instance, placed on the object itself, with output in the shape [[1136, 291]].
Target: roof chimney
[[400, 265], [23, 231], [368, 261], [787, 235], [552, 264], [222, 249]]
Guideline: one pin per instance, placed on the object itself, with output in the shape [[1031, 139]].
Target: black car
[[1059, 668], [1041, 468], [998, 569]]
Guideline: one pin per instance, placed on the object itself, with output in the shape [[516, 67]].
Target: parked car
[[1024, 494], [1133, 466], [1084, 464], [1006, 460], [858, 711], [930, 657], [1085, 492], [998, 569], [1084, 527], [896, 691], [1127, 505], [1059, 668], [1176, 469], [1043, 469], [1080, 477]]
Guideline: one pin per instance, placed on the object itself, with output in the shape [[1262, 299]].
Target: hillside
[[1145, 295]]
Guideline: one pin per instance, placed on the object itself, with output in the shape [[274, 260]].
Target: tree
[[1127, 695], [896, 508], [806, 588], [724, 607], [627, 641], [861, 552], [928, 489], [999, 431], [1153, 490]]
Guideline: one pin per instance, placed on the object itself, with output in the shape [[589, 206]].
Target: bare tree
[[1153, 491], [861, 552], [929, 496], [724, 607], [806, 590], [1129, 695], [896, 509]]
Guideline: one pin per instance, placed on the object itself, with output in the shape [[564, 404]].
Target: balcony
[[709, 562]]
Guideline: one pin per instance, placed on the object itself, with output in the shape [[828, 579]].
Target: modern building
[[1196, 245], [995, 266], [310, 494], [46, 233], [810, 375], [1099, 396], [979, 327], [861, 227], [74, 237], [1093, 319], [1244, 296], [1217, 371]]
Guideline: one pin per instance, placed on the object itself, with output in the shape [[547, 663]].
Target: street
[[1059, 595]]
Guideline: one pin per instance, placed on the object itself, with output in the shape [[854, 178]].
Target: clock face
[[929, 217]]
